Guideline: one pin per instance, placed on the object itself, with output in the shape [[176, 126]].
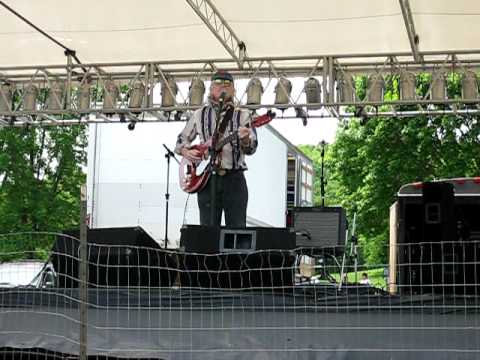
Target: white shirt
[[202, 124]]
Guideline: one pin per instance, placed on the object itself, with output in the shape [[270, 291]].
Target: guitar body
[[195, 175]]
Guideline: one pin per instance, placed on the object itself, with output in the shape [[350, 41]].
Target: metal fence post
[[83, 276]]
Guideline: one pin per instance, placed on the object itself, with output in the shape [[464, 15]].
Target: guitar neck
[[226, 140], [259, 121]]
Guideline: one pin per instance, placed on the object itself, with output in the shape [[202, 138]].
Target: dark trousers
[[231, 197]]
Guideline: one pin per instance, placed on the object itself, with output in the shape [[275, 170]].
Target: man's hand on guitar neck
[[192, 154], [244, 135]]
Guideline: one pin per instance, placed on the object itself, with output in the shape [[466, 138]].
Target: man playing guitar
[[231, 187]]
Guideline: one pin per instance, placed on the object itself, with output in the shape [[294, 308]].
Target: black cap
[[222, 74]]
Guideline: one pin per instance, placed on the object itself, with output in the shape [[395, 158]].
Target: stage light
[[375, 87], [110, 96], [408, 85], [469, 86], [30, 98], [136, 95], [197, 92], [302, 114], [438, 88], [56, 95], [346, 88], [83, 99], [168, 98], [254, 92], [313, 92], [6, 97], [283, 89]]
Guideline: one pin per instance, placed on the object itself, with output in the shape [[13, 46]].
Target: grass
[[376, 277]]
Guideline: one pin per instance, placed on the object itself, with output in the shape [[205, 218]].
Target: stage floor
[[308, 322]]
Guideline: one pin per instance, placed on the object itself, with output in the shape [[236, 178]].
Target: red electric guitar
[[194, 175]]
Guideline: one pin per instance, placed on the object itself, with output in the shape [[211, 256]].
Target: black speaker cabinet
[[433, 256], [320, 226], [255, 270], [439, 222], [436, 259], [247, 258], [212, 240], [116, 257]]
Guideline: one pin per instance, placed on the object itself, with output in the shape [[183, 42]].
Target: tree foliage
[[371, 159], [41, 170]]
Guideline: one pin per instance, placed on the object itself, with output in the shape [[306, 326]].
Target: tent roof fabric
[[150, 30]]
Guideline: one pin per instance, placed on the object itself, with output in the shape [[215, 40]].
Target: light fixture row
[[345, 86]]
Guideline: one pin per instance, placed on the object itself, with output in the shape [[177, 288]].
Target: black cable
[[68, 51]]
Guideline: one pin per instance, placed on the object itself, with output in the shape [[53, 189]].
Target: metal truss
[[413, 37], [126, 92], [220, 28]]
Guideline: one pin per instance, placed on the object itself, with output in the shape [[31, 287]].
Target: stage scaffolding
[[60, 85]]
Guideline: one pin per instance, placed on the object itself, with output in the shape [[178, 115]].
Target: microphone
[[223, 95]]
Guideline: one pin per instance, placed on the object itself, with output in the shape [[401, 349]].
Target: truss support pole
[[83, 274], [331, 80], [325, 67], [150, 83], [410, 26], [68, 100], [220, 28]]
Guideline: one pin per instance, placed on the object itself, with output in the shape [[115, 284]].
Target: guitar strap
[[234, 125], [227, 117], [204, 123]]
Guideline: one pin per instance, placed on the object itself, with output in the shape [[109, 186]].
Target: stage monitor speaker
[[247, 258], [116, 257], [211, 240], [320, 226]]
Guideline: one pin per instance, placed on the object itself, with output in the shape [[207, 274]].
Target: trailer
[[127, 180]]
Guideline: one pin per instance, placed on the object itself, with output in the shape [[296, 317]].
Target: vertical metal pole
[[83, 275], [322, 175], [326, 95], [68, 100], [331, 80], [167, 199], [149, 71]]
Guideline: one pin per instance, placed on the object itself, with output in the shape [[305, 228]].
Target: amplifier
[[320, 226]]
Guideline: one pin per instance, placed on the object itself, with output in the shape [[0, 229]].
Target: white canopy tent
[[269, 38], [152, 30]]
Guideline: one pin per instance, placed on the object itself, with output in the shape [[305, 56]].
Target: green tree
[[41, 170], [371, 159]]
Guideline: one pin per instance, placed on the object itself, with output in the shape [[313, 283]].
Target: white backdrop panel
[[127, 173]]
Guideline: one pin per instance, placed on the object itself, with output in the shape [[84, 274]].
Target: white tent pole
[[220, 28], [413, 37]]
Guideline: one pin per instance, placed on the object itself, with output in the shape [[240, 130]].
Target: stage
[[301, 322]]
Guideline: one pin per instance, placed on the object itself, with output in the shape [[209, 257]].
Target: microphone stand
[[213, 163], [169, 154], [323, 182]]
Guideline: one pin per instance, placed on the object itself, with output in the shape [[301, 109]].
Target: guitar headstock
[[263, 119]]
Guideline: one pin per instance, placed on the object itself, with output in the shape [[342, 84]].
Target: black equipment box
[[116, 257], [249, 258], [209, 239]]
